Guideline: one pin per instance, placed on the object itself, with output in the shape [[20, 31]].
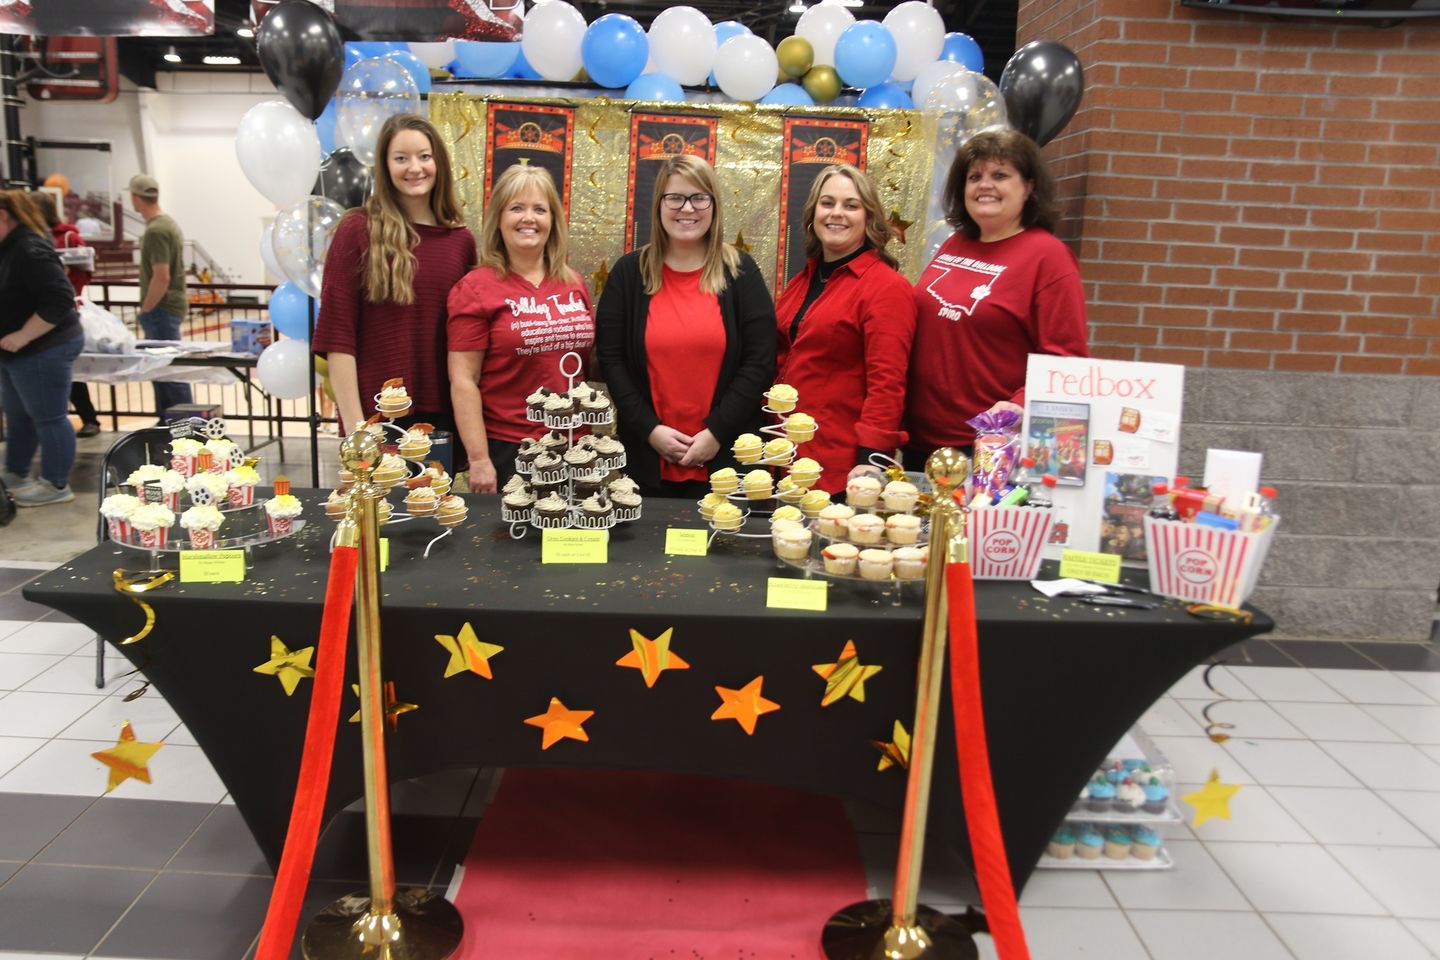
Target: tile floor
[[1332, 853]]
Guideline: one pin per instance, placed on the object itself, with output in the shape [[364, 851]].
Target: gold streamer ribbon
[[132, 586]]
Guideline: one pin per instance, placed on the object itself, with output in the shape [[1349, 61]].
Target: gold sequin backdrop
[[748, 162]]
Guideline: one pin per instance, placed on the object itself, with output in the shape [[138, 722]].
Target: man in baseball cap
[[162, 280], [143, 185]]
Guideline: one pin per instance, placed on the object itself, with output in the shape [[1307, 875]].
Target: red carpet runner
[[571, 864]]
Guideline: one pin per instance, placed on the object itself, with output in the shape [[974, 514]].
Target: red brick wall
[[1247, 192]]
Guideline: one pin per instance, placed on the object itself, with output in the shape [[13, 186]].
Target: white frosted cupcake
[[117, 509], [202, 522], [241, 482], [212, 488], [902, 528], [151, 523], [876, 564], [862, 491], [866, 528], [791, 541], [840, 558], [834, 519], [900, 496], [910, 562]]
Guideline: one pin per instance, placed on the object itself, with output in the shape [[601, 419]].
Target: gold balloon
[[322, 366], [329, 389], [822, 83], [795, 55]]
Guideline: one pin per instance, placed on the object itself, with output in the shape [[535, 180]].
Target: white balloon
[[682, 41], [822, 25], [919, 33], [971, 101], [931, 74], [284, 369], [267, 250], [746, 67], [436, 56], [279, 151], [552, 38], [302, 238]]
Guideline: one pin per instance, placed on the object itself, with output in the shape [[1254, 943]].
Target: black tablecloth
[[1062, 680]]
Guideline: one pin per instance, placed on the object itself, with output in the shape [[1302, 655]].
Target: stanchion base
[[864, 931], [423, 926]]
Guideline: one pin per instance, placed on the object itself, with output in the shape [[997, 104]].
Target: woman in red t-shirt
[[511, 320], [846, 322], [685, 334]]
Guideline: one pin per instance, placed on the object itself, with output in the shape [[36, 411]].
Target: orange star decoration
[[559, 723], [598, 278], [652, 657], [895, 753], [468, 652], [393, 707], [290, 666], [845, 677], [899, 225], [740, 243], [128, 758], [1212, 800], [745, 705]]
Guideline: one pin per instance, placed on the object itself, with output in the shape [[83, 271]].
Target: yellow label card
[[574, 546], [686, 543], [212, 566], [384, 553], [787, 594], [1084, 565]]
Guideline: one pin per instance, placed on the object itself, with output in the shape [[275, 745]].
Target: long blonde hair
[[719, 255], [511, 184], [390, 265], [877, 226]]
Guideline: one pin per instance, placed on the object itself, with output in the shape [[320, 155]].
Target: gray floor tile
[[223, 844], [419, 843], [1325, 653], [8, 869], [126, 833], [28, 821], [191, 917], [1400, 656], [10, 577], [65, 909], [15, 607]]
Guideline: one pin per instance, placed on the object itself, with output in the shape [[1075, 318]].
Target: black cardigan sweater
[[746, 372], [33, 281]]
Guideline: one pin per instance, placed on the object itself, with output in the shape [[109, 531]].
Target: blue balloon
[[522, 69], [865, 54], [885, 96], [484, 60], [417, 70], [357, 50], [290, 311], [614, 50], [325, 127], [655, 86], [961, 48], [788, 95]]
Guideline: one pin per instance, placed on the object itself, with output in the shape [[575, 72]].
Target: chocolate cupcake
[[558, 410], [525, 456], [555, 441], [611, 451], [550, 468], [535, 404], [597, 512], [515, 507], [588, 486], [581, 461], [551, 512], [627, 504], [595, 408]]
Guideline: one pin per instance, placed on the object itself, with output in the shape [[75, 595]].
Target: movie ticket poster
[[810, 146], [108, 18], [495, 21], [655, 138], [533, 134]]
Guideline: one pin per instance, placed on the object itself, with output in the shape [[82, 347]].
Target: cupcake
[[172, 484], [834, 519], [597, 512], [143, 474], [787, 513], [535, 404], [787, 490], [439, 480], [383, 510], [551, 511], [422, 502], [559, 409], [611, 453], [525, 455], [1129, 796], [151, 523], [550, 468], [784, 524], [117, 510], [840, 558], [757, 484], [876, 564], [791, 542], [452, 511], [241, 483], [1115, 772], [747, 448], [622, 484], [555, 442], [724, 480], [805, 472], [862, 491], [900, 496], [1062, 845], [778, 452], [627, 504], [282, 509], [581, 461], [183, 451], [393, 400], [709, 503], [516, 482], [594, 407], [390, 471], [225, 453], [910, 562], [1144, 843], [416, 443], [1102, 795], [902, 528], [515, 505], [1117, 843], [337, 505], [205, 462], [1088, 842], [1157, 796], [800, 427], [813, 502], [202, 522], [782, 397], [865, 528], [728, 517]]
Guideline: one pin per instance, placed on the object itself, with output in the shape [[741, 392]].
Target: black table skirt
[[1062, 680]]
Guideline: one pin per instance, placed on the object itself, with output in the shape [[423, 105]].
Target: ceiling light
[[223, 61], [245, 30], [171, 56], [798, 6], [850, 3]]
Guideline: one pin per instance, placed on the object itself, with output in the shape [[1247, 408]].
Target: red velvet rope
[[982, 818], [293, 876]]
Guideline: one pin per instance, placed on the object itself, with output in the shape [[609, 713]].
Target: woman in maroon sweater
[[388, 273]]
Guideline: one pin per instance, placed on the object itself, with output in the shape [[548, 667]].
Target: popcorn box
[[119, 529], [241, 496], [1006, 542], [202, 539], [249, 336], [280, 526], [1203, 564]]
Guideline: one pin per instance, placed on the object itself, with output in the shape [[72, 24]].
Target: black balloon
[[301, 52], [1042, 85], [343, 178]]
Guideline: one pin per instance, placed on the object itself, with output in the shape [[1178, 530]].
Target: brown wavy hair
[[22, 210], [1010, 146], [513, 182], [390, 264], [877, 225], [719, 255]]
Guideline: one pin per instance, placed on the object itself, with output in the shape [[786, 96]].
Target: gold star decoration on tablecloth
[[468, 652], [652, 657], [895, 752], [290, 666], [898, 224], [128, 759], [598, 278], [1212, 800], [745, 705], [740, 243], [393, 707], [559, 722], [845, 677]]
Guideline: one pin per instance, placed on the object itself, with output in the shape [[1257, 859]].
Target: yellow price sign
[[574, 546], [682, 542], [1084, 565], [212, 566], [384, 553], [783, 593]]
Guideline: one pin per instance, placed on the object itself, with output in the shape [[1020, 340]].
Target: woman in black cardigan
[[685, 334]]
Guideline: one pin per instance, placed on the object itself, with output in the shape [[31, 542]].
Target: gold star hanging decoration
[[652, 657], [898, 224], [845, 677], [598, 278], [1212, 800], [745, 705], [290, 666], [558, 722], [740, 243], [128, 759], [895, 752], [468, 652], [393, 707]]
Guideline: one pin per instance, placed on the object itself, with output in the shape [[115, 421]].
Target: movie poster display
[[655, 138], [534, 134], [809, 146]]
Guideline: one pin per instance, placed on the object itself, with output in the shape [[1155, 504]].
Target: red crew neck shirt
[[684, 348]]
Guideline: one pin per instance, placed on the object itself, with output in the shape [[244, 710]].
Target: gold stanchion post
[[899, 928], [410, 924]]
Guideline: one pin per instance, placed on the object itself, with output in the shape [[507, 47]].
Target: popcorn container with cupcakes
[[1205, 564], [282, 509], [1006, 542]]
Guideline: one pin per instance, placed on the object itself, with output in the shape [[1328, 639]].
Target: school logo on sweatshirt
[[961, 283]]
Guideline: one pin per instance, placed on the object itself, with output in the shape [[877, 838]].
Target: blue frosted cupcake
[[1157, 796], [1115, 773], [1088, 842], [1062, 845], [1102, 796], [1117, 843], [1144, 843]]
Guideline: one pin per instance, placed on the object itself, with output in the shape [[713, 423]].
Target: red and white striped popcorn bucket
[[185, 466], [202, 539], [172, 501], [280, 526], [153, 538], [119, 528], [241, 495], [1006, 542], [1202, 564]]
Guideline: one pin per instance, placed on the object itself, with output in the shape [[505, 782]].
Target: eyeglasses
[[677, 201]]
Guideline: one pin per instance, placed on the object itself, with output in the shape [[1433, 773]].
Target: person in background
[[40, 338], [685, 334], [1001, 288], [846, 322], [67, 236], [391, 266], [511, 320], [162, 281]]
